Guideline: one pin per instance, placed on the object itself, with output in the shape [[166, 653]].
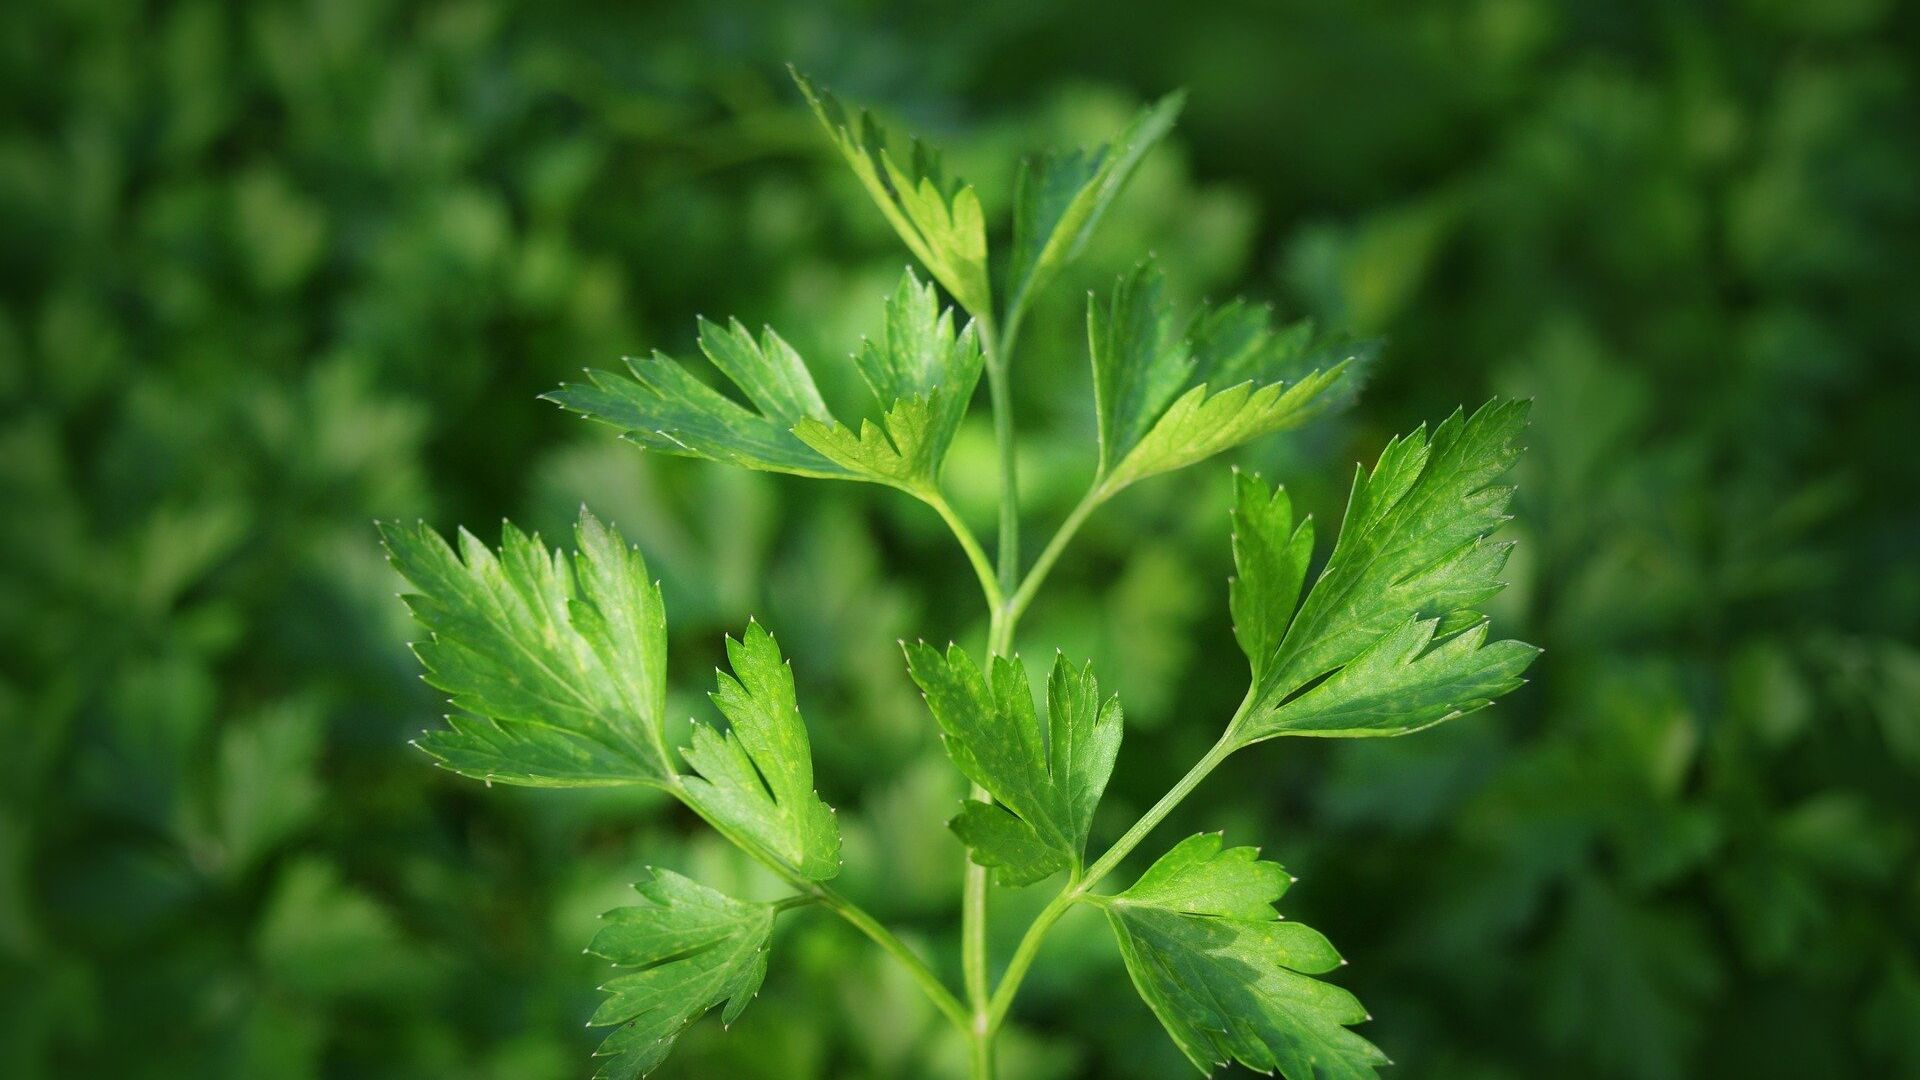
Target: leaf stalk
[[1079, 885]]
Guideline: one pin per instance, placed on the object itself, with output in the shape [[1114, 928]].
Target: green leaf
[[1167, 396], [559, 663], [1270, 555], [1226, 977], [923, 373], [1391, 621], [689, 948], [665, 407], [1060, 197], [1015, 850], [919, 354], [756, 780], [1199, 878], [939, 219], [1404, 682], [1047, 780]]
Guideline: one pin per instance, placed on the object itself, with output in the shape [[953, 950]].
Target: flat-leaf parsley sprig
[[554, 663]]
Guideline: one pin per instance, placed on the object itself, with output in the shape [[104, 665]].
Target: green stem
[[980, 1059], [973, 906], [1174, 797], [1023, 956], [982, 568], [1000, 626], [929, 982], [853, 913], [1000, 395], [973, 932], [1077, 887], [1017, 603]]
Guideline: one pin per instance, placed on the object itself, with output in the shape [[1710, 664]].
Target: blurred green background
[[270, 270]]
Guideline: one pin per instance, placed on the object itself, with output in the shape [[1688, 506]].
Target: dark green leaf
[[1047, 781], [1227, 978], [267, 783], [1060, 198], [1270, 556]]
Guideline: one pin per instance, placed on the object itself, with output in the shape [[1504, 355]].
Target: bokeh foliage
[[268, 271]]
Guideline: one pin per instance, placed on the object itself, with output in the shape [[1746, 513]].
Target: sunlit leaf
[[663, 406], [558, 664], [922, 373], [1391, 623], [1167, 395], [756, 780], [1061, 196], [938, 218]]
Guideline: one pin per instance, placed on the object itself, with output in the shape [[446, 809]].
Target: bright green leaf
[[1270, 555], [1060, 198], [756, 780], [939, 219], [1226, 977], [687, 948], [902, 450], [665, 407], [1199, 878], [1167, 396], [919, 354], [1391, 621], [561, 663], [923, 373], [1404, 682], [1200, 424], [1047, 780]]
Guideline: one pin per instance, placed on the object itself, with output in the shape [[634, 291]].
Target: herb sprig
[[555, 664]]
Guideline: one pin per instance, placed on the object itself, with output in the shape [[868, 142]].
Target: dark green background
[[268, 271]]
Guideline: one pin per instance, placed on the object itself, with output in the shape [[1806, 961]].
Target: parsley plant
[[555, 664]]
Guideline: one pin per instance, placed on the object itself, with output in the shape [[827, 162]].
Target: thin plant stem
[[854, 914], [1000, 395], [1023, 955], [1078, 886], [973, 906], [1124, 846], [976, 555], [1000, 627], [973, 935], [980, 1058], [1030, 585], [923, 975]]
